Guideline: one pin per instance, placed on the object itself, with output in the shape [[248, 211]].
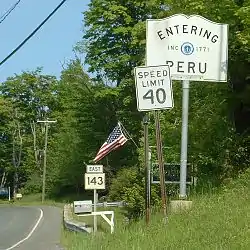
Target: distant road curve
[[30, 228]]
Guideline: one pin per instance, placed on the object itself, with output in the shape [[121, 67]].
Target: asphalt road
[[30, 228]]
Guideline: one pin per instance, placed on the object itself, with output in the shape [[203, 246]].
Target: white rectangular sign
[[194, 47], [153, 88], [94, 168], [94, 181]]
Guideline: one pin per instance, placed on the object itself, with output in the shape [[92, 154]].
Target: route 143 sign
[[153, 88], [94, 181], [194, 47]]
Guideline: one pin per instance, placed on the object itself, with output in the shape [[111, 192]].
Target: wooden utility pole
[[161, 163], [46, 122]]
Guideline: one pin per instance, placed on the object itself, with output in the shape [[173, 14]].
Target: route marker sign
[[95, 181], [194, 47], [94, 178], [94, 168], [153, 88]]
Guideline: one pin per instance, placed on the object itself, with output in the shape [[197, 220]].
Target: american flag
[[115, 140]]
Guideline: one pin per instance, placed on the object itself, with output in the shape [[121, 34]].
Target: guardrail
[[71, 224], [111, 204]]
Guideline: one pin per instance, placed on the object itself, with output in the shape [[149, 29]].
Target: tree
[[106, 29], [32, 96], [113, 41], [86, 114], [6, 112], [68, 149], [236, 13]]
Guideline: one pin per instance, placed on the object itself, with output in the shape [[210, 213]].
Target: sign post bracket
[[103, 214]]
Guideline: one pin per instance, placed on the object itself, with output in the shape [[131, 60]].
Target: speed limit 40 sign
[[153, 88], [94, 181]]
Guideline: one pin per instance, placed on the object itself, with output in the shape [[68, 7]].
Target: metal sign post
[[146, 162], [161, 163], [196, 49], [95, 218], [95, 179], [184, 139], [154, 92], [149, 178]]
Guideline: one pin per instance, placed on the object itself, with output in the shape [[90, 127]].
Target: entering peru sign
[[195, 48]]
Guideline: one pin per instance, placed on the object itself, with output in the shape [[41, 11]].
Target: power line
[[33, 33], [7, 13]]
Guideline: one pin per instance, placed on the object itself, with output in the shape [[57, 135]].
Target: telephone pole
[[46, 122]]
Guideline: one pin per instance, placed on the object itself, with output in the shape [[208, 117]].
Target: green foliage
[[32, 92], [111, 41], [86, 114], [33, 184], [28, 97], [211, 133], [124, 179], [6, 123], [218, 221], [67, 153], [129, 186]]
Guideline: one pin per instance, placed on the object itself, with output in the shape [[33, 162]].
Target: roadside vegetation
[[216, 221]]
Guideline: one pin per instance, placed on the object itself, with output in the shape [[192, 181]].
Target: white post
[[184, 139], [112, 224], [9, 193], [95, 218]]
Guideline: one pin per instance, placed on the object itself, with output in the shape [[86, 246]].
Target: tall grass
[[216, 221]]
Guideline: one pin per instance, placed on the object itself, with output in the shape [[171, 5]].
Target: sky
[[51, 46]]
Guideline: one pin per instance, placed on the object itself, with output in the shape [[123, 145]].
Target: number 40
[[160, 95]]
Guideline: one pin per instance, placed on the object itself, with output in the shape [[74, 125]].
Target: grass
[[31, 200], [216, 221]]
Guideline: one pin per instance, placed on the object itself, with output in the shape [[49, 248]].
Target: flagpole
[[126, 132]]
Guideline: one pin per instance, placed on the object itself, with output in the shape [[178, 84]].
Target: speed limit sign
[[153, 88], [94, 181]]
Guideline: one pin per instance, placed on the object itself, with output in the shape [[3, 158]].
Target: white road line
[[30, 233]]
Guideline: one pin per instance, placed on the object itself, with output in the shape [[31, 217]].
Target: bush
[[33, 185], [129, 186]]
